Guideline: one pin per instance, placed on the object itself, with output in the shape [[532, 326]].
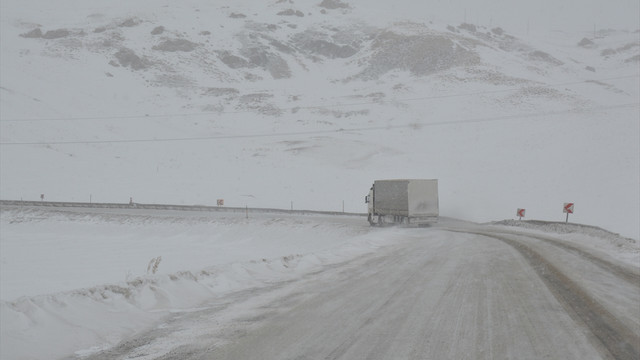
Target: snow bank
[[591, 237], [80, 279]]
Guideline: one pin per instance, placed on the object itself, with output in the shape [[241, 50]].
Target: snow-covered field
[[73, 279]]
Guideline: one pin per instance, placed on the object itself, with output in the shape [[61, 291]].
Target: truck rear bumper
[[378, 219]]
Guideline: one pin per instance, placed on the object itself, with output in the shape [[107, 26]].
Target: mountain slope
[[287, 104]]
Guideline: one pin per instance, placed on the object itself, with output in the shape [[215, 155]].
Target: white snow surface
[[73, 279], [77, 280], [285, 104]]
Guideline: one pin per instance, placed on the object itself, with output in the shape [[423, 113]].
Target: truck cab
[[369, 201]]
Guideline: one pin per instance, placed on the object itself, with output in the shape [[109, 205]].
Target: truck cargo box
[[404, 200]]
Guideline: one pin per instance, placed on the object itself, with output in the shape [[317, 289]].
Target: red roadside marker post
[[520, 213], [568, 209]]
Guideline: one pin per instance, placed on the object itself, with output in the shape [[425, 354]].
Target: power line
[[309, 107], [332, 131]]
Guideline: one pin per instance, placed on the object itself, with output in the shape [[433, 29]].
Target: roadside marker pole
[[567, 208]]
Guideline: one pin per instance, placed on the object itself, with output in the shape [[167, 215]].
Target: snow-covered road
[[449, 292]]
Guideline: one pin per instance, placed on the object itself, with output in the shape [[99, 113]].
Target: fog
[[520, 17]]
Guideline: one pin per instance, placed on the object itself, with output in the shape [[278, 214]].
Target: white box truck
[[403, 201]]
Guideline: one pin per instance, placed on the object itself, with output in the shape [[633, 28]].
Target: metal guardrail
[[60, 204]]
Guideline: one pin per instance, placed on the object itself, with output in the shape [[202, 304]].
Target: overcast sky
[[517, 17]]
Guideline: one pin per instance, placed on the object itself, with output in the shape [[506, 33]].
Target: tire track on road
[[619, 270], [617, 340]]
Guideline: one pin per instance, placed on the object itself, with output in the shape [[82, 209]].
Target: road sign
[[520, 213], [220, 202], [568, 208]]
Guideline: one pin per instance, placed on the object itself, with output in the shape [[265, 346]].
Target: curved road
[[436, 294]]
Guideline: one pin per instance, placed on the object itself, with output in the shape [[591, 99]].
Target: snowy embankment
[[606, 244], [86, 279]]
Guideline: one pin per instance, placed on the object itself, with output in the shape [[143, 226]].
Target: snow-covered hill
[[303, 104]]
